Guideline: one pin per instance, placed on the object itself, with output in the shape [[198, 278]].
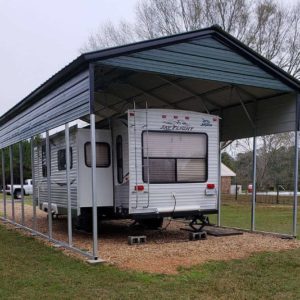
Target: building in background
[[226, 175]]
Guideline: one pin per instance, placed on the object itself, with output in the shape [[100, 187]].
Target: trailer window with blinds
[[102, 155], [174, 157]]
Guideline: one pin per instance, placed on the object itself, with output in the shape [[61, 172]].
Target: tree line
[[275, 163]]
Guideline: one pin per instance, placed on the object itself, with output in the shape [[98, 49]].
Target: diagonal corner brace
[[245, 108]]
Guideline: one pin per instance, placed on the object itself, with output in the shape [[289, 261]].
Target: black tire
[[17, 193], [154, 223], [85, 220]]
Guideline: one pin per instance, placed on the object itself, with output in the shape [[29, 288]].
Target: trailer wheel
[[85, 220], [154, 223], [17, 194]]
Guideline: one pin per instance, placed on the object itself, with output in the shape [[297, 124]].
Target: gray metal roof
[[111, 54], [206, 71]]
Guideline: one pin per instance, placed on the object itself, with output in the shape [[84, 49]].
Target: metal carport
[[206, 70]]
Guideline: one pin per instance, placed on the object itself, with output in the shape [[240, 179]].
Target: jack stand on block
[[196, 236], [200, 221], [136, 240], [197, 224]]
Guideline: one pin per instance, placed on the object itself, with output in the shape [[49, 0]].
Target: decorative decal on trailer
[[176, 125], [206, 123]]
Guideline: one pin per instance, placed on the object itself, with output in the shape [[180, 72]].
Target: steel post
[[33, 184], [253, 185], [219, 185], [94, 184], [68, 167], [295, 203], [12, 182], [4, 184], [48, 158], [22, 182]]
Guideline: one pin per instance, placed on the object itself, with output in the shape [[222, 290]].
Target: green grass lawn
[[273, 218], [31, 270]]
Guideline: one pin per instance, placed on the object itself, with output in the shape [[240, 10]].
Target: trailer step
[[196, 236], [137, 239]]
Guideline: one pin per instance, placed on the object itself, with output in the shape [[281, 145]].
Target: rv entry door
[[104, 175]]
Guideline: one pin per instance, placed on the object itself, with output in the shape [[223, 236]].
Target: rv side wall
[[58, 173]]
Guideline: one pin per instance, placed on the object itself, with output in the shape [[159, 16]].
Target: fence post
[[236, 189]]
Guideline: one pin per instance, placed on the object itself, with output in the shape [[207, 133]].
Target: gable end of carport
[[205, 57]]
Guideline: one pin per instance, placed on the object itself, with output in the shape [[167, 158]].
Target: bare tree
[[264, 25], [272, 151], [109, 35]]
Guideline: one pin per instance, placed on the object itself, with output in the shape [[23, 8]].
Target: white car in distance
[[16, 190]]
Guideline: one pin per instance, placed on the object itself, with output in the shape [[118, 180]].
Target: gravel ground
[[165, 250]]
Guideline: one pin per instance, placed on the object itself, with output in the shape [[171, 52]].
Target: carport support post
[[253, 184], [33, 183], [296, 166], [94, 184], [93, 161], [22, 182], [67, 137], [4, 183], [12, 182], [49, 185], [219, 185], [295, 204]]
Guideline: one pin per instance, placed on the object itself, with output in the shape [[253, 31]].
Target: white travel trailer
[[151, 163]]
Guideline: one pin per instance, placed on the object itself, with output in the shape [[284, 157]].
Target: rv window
[[61, 159], [102, 155], [119, 148], [170, 157], [44, 160]]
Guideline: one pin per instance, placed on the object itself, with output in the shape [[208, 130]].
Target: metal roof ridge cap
[[146, 44]]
